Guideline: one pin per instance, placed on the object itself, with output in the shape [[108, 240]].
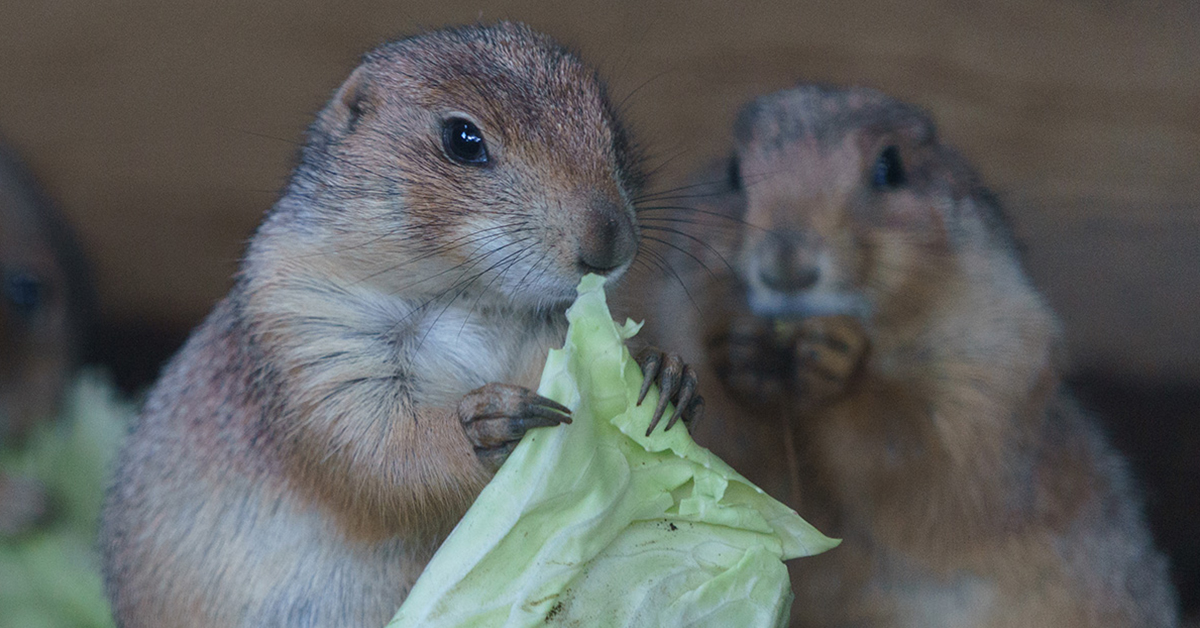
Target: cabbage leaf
[[597, 524]]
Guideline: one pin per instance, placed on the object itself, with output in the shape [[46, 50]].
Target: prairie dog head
[[484, 162], [852, 202], [40, 297]]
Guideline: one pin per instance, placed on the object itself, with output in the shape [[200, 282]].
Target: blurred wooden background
[[164, 129]]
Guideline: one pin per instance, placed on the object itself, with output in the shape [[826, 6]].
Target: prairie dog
[[44, 301], [874, 311], [44, 310], [304, 454]]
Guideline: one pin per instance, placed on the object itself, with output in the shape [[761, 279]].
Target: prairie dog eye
[[888, 172], [24, 292], [463, 142]]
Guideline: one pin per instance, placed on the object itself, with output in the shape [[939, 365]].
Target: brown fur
[[930, 428], [44, 307], [301, 458], [41, 341]]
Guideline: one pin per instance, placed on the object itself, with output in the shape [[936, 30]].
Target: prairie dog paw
[[751, 363], [496, 416], [829, 352], [677, 382]]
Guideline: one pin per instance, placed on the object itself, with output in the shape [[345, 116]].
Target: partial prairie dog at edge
[[45, 315], [45, 302], [887, 369], [319, 434]]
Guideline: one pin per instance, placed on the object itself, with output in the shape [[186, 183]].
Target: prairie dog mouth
[[771, 304]]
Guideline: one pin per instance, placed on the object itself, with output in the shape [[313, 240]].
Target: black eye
[[733, 174], [463, 142], [889, 172], [24, 292]]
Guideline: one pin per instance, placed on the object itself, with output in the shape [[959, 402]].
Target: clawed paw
[[829, 351], [677, 384], [496, 417], [751, 362], [765, 362]]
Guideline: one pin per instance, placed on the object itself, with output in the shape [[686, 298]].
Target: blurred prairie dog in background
[[886, 366], [45, 305]]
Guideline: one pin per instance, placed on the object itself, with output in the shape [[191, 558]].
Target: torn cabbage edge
[[570, 497]]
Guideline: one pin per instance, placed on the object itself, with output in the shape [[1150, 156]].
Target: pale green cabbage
[[596, 524], [50, 576]]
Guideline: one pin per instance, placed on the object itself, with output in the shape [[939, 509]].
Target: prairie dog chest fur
[[511, 348], [441, 349]]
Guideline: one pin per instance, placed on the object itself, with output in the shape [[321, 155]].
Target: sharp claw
[[650, 360], [536, 405], [653, 422], [672, 421], [687, 389], [646, 382], [550, 403], [549, 414], [545, 420], [670, 386], [660, 409], [516, 428]]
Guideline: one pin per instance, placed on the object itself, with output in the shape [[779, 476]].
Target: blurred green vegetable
[[596, 524], [50, 577]]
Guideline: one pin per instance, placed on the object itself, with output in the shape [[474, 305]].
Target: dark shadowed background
[[164, 129]]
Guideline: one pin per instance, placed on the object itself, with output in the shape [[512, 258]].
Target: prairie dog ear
[[350, 103]]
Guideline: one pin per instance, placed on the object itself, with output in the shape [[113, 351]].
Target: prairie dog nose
[[784, 265], [607, 239]]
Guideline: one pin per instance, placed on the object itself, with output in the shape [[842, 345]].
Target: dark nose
[[783, 268], [607, 240]]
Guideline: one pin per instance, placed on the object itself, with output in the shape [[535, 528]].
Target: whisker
[[523, 252], [406, 287], [462, 290], [696, 210], [468, 239], [694, 239], [466, 266], [672, 192], [416, 235], [688, 253], [620, 108], [664, 265], [546, 263], [267, 136], [686, 221], [653, 172]]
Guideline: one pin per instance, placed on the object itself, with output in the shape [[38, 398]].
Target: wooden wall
[[165, 128]]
